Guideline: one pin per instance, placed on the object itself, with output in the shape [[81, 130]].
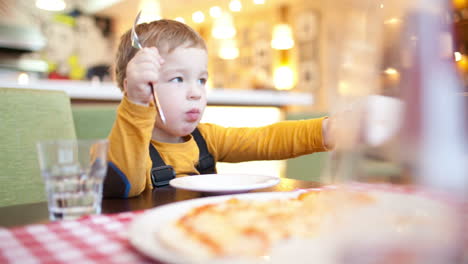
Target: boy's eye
[[202, 81], [177, 79]]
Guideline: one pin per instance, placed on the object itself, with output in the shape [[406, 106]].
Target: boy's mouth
[[192, 115]]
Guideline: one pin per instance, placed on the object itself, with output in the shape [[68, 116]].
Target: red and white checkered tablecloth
[[93, 239], [98, 238]]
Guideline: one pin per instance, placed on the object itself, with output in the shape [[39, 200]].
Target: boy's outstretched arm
[[281, 140]]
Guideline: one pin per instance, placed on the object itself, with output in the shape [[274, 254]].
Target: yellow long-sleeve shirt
[[130, 162]]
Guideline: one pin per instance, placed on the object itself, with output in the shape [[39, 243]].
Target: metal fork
[[137, 45]]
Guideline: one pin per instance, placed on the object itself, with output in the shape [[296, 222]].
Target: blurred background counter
[[94, 106], [101, 92]]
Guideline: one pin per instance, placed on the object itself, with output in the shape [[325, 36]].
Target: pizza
[[252, 228]]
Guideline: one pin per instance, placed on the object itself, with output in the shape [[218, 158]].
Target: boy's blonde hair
[[164, 34]]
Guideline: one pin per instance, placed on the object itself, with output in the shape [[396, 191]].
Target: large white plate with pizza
[[224, 183], [306, 226]]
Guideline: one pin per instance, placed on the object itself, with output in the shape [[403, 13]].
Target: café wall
[[80, 46], [254, 67], [78, 43]]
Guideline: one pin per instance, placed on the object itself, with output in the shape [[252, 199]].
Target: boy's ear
[[125, 86]]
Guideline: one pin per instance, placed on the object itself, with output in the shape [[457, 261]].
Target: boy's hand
[[373, 121], [142, 70], [329, 132]]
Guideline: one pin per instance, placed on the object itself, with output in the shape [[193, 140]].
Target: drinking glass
[[73, 172]]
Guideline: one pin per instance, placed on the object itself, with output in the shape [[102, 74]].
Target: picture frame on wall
[[307, 32], [308, 76], [307, 26], [262, 54]]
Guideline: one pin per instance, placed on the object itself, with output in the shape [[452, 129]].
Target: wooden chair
[[27, 116]]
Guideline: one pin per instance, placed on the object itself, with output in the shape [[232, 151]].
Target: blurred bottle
[[433, 134], [391, 72]]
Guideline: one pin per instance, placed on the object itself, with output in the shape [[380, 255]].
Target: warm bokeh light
[[391, 71], [180, 19], [228, 49], [459, 4], [457, 55], [150, 11], [259, 2], [392, 21], [392, 75], [51, 5], [23, 78], [215, 12], [198, 17], [223, 27], [283, 78], [463, 64], [343, 88], [282, 37], [235, 6]]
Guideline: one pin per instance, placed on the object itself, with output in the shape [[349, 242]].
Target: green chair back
[[93, 121], [27, 116], [307, 167]]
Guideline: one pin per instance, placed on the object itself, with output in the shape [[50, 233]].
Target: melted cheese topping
[[250, 228]]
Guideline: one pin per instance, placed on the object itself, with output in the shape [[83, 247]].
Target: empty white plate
[[224, 183]]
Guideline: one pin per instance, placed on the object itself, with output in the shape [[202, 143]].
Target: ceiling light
[[228, 49], [215, 11], [283, 78], [223, 27], [51, 5], [198, 17], [235, 5], [282, 37]]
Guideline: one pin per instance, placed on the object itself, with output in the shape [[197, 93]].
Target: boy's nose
[[194, 92]]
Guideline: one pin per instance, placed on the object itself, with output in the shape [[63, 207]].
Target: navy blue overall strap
[[206, 163], [161, 173]]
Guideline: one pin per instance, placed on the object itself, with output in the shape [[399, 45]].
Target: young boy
[[145, 152]]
